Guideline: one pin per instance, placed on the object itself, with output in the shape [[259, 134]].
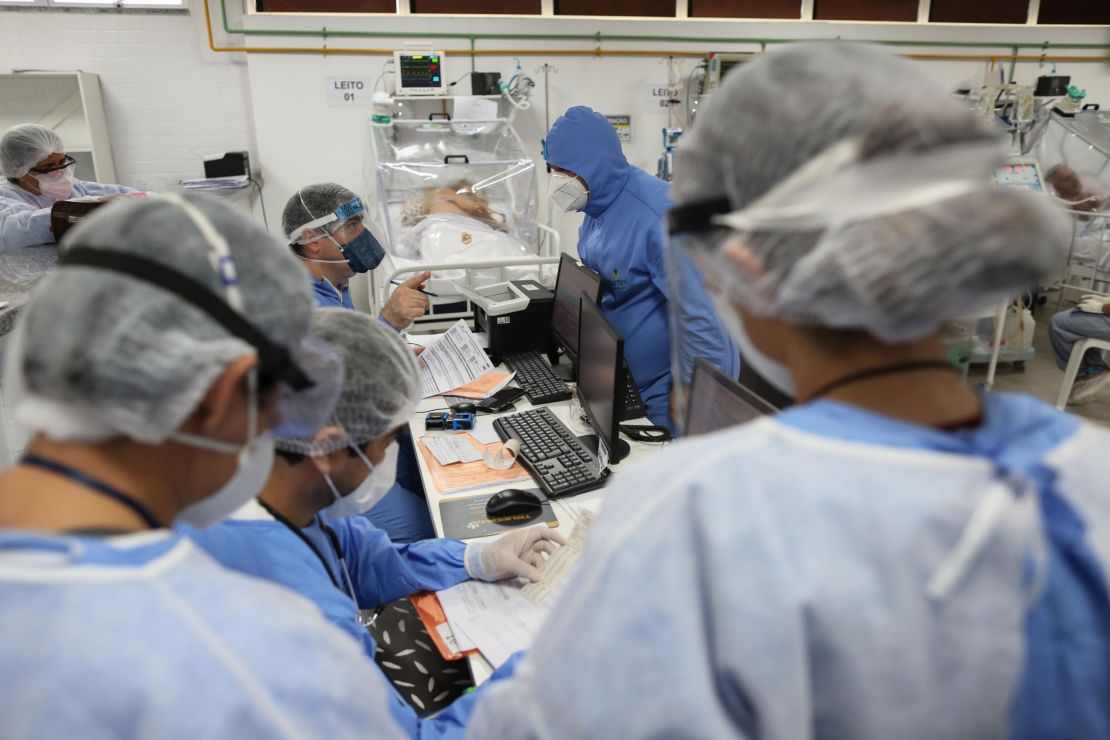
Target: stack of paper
[[231, 182], [452, 360], [466, 476], [501, 618]]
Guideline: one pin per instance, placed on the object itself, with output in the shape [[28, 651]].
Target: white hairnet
[[381, 386], [310, 203], [863, 192], [24, 145], [99, 354]]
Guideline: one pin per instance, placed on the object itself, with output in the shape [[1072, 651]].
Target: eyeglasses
[[67, 162]]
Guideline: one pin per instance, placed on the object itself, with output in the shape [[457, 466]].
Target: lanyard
[[93, 484], [901, 367], [333, 540]]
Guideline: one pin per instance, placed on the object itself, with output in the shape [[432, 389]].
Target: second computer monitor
[[572, 281], [717, 402], [600, 382]]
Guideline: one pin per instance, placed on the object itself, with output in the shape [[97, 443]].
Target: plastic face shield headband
[[308, 378], [329, 223]]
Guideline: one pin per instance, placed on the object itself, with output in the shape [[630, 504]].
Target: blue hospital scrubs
[[256, 544]]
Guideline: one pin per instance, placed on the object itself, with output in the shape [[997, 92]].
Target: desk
[[638, 451]]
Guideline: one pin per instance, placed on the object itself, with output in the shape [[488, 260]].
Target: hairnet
[[100, 354], [381, 387], [310, 203], [863, 192], [24, 145]]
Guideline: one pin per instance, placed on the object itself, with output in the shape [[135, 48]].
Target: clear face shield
[[345, 227], [702, 320]]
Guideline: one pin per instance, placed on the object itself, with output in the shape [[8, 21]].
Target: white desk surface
[[562, 410]]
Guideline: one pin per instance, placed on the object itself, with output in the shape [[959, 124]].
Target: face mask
[[772, 371], [255, 460], [57, 185], [372, 489], [363, 253], [568, 193]]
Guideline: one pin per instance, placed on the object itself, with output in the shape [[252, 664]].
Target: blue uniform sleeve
[[22, 225], [383, 571], [698, 331], [391, 327], [98, 188]]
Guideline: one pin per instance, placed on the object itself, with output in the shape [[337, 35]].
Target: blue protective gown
[[622, 240], [258, 545], [770, 581], [402, 514], [145, 636], [25, 218]]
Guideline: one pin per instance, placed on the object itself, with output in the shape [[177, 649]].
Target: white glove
[[1091, 304], [518, 553]]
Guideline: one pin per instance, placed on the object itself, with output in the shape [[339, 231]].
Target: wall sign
[[623, 125], [349, 91]]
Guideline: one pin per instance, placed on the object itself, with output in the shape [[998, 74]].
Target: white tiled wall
[[168, 100]]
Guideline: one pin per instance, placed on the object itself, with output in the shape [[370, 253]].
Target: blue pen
[[419, 290]]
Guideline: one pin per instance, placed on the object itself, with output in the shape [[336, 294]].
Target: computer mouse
[[515, 503], [464, 408]]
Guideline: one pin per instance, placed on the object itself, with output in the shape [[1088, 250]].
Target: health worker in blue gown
[[896, 556], [150, 366], [621, 239], [325, 225], [304, 530]]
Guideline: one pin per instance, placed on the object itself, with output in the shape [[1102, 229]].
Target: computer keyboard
[[535, 376], [556, 458], [633, 403]]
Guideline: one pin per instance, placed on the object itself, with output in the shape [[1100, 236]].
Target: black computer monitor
[[600, 376], [573, 280], [717, 402]]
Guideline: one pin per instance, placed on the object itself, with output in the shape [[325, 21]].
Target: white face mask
[[372, 489], [57, 185], [255, 460], [773, 372], [568, 193]]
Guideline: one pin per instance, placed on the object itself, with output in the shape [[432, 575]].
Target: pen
[[419, 290]]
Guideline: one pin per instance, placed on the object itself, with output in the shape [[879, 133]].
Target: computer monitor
[[419, 73], [717, 402], [572, 281], [1020, 176], [600, 376]]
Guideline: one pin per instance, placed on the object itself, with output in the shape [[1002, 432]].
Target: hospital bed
[[457, 198]]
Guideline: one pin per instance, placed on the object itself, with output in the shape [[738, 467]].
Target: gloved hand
[[1092, 304], [518, 553]]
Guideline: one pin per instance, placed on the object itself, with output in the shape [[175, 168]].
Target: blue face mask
[[363, 253]]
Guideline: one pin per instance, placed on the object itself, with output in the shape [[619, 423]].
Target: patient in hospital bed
[[455, 224]]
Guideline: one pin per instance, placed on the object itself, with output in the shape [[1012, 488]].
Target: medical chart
[[452, 360], [451, 448], [555, 570]]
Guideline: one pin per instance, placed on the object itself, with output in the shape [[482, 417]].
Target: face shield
[[700, 318], [346, 228], [847, 242]]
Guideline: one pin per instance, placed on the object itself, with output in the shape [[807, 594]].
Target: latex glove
[[518, 553], [1091, 304], [406, 302]]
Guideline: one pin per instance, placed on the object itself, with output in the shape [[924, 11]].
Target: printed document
[[452, 360]]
